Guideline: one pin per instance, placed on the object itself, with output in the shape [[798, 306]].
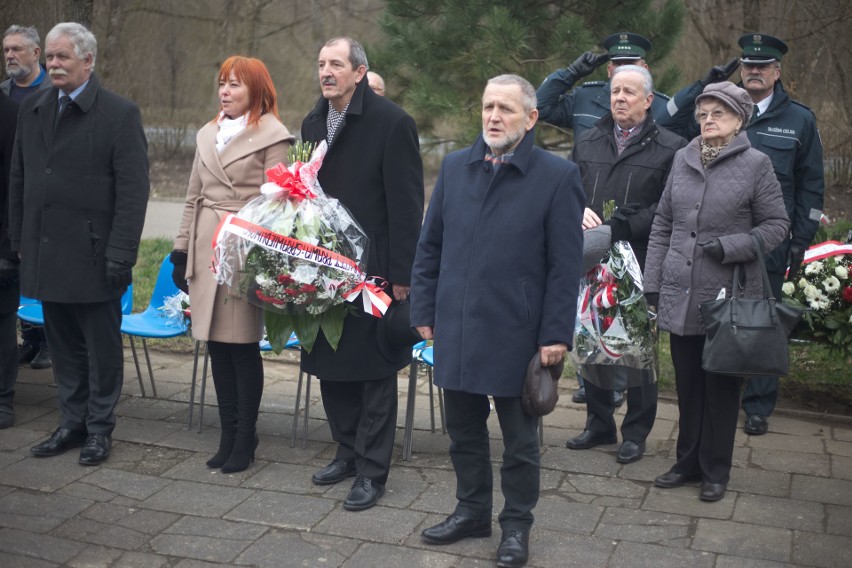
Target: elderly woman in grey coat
[[720, 192]]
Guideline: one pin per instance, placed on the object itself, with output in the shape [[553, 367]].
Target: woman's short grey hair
[[528, 98], [647, 81], [30, 34], [81, 38], [357, 55]]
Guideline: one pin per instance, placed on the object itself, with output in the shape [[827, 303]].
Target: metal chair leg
[[203, 387], [409, 411], [136, 362], [296, 410], [431, 401], [307, 410], [440, 402], [541, 431], [192, 386], [150, 369]]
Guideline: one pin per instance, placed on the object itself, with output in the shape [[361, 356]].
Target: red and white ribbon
[[827, 249]]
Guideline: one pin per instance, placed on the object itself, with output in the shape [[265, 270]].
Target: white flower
[[813, 267], [788, 288], [803, 282], [811, 292], [831, 284], [841, 271]]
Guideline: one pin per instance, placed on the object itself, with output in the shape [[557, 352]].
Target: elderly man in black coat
[[79, 190], [9, 289], [495, 280], [373, 167]]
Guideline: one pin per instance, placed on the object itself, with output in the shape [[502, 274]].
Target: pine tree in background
[[438, 55]]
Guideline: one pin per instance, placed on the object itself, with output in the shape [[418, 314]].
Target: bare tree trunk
[[79, 11]]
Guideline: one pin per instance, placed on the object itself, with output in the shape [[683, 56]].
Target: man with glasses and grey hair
[[786, 131], [21, 53], [78, 193]]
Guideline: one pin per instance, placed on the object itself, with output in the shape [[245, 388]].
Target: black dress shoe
[[579, 396], [617, 398], [7, 419], [59, 442], [589, 439], [335, 472], [630, 452], [672, 479], [42, 359], [514, 549], [27, 352], [712, 491], [756, 425], [96, 450], [455, 528], [364, 494]]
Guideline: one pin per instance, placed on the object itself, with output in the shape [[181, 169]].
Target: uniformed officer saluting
[[786, 131], [581, 107]]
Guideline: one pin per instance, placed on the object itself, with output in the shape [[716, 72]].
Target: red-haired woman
[[232, 154]]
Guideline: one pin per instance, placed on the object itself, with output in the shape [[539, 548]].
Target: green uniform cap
[[761, 48], [626, 46]]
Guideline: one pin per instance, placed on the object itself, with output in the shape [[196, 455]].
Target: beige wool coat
[[222, 184]]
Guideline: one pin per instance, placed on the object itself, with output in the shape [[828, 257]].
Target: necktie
[[63, 102]]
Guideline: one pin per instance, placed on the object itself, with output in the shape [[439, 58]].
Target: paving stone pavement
[[155, 504]]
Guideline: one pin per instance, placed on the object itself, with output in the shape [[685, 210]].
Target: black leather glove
[[8, 273], [620, 228], [653, 299], [713, 249], [588, 62], [795, 257], [119, 274], [720, 72], [179, 259]]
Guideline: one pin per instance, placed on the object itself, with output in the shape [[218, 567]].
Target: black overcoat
[[373, 167], [9, 296], [498, 265], [78, 193]]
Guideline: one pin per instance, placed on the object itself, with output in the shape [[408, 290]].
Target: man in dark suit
[[373, 167], [495, 280], [9, 289], [79, 190]]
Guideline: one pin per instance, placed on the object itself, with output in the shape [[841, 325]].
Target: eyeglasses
[[716, 115]]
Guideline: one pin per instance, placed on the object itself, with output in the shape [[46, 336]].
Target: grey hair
[[30, 34], [528, 98], [357, 55], [647, 81], [83, 40]]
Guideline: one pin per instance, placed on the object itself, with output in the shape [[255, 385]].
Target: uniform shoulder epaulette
[[659, 95], [593, 84], [804, 106]]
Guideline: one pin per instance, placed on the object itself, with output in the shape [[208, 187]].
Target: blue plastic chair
[[421, 354], [30, 310], [150, 324]]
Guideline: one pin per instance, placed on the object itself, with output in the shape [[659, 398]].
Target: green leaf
[[307, 328], [331, 323], [278, 329]]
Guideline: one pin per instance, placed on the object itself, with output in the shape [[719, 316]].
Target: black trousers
[[470, 453], [640, 416], [88, 362], [362, 417], [709, 409], [761, 393], [8, 359]]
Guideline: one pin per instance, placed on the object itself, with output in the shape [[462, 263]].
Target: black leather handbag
[[540, 396], [748, 337]]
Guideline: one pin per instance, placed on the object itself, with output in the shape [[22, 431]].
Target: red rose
[[284, 279], [308, 288], [847, 294]]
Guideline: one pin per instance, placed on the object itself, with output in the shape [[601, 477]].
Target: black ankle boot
[[226, 447], [242, 455]]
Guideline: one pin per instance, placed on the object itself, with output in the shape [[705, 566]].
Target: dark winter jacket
[[634, 180], [735, 196]]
